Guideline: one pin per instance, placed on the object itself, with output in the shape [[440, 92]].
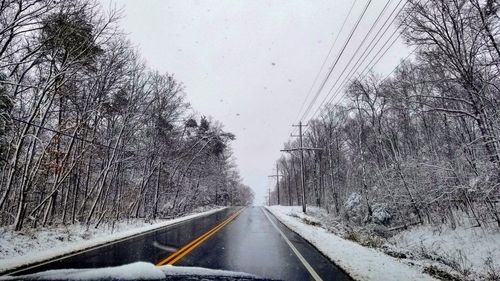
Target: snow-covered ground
[[133, 271], [27, 247], [471, 252], [359, 262], [464, 253]]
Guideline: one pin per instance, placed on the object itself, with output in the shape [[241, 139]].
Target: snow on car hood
[[133, 271]]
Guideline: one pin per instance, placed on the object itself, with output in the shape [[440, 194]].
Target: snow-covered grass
[[471, 253], [463, 253], [133, 271], [32, 246], [361, 263]]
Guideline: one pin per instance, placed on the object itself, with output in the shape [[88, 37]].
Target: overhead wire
[[367, 35], [363, 57], [325, 60], [325, 80], [370, 63], [329, 98], [370, 46], [346, 43]]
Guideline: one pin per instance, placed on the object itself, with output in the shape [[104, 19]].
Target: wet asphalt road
[[250, 243]]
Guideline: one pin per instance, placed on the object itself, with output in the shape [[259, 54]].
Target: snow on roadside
[[361, 263], [474, 251], [22, 248]]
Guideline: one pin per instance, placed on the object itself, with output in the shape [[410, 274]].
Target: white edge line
[[296, 252], [95, 247]]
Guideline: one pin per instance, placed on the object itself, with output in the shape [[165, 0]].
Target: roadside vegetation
[[90, 135], [418, 148]]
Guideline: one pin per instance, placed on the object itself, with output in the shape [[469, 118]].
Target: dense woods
[[421, 146], [90, 134]]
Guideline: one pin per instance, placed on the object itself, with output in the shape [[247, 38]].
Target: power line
[[370, 46], [370, 63], [325, 60], [363, 57], [347, 78], [362, 73], [336, 60], [367, 35]]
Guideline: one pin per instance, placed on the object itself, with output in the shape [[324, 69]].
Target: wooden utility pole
[[269, 196], [277, 176], [301, 148]]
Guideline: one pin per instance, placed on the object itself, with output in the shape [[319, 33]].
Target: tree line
[[89, 134], [421, 146]]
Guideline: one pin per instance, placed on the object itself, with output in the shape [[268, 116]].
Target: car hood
[[137, 271]]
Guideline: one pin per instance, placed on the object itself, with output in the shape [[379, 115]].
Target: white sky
[[249, 64]]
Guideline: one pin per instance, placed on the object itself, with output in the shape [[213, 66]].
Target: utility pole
[[301, 148], [302, 177], [278, 182], [277, 176], [269, 196]]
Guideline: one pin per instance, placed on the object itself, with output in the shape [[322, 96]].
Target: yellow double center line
[[193, 244]]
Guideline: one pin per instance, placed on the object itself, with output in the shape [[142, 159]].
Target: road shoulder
[[360, 262]]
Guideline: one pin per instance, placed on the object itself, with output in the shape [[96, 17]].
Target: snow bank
[[23, 248], [468, 249], [133, 271], [360, 262]]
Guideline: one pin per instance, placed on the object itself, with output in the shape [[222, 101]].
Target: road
[[238, 239]]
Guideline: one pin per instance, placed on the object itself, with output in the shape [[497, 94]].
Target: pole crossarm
[[300, 148]]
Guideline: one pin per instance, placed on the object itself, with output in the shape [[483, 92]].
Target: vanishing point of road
[[247, 240]]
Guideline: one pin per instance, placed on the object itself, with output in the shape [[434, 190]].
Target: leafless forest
[[90, 134], [420, 146]]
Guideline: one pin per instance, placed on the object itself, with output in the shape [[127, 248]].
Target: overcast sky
[[250, 64]]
